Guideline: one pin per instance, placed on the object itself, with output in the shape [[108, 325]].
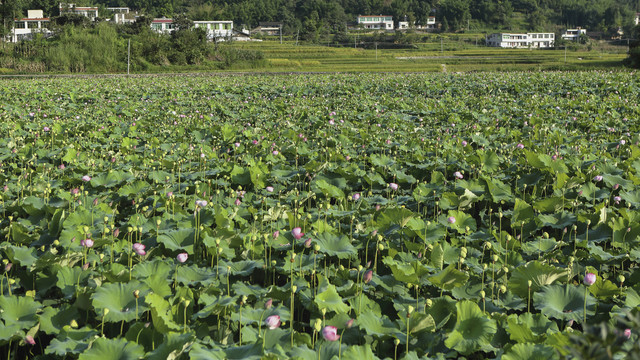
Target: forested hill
[[331, 16]]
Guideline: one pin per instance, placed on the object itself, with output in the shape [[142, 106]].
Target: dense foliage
[[487, 216], [326, 16]]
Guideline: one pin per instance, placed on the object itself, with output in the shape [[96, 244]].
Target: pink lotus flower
[[597, 178], [617, 199], [139, 249], [237, 144], [182, 257], [75, 191], [269, 188], [520, 146], [589, 279], [268, 304], [86, 178], [29, 340], [627, 333], [458, 175], [61, 167], [201, 203], [297, 233], [451, 220], [356, 196], [273, 322], [393, 186], [307, 243], [330, 333], [368, 276], [87, 243], [238, 202], [275, 152], [276, 234], [464, 143]]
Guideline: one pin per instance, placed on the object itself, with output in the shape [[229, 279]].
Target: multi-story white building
[[90, 12], [573, 34], [528, 40], [376, 22], [25, 28], [216, 29], [163, 26]]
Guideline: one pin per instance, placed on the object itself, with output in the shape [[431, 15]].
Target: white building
[[90, 12], [216, 30], [403, 25], [528, 40], [637, 20], [25, 28], [163, 26], [122, 15], [573, 34], [376, 22]]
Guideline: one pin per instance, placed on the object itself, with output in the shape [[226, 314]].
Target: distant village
[[223, 30]]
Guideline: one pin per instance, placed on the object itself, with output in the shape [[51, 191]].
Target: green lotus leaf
[[563, 302], [53, 320], [22, 255], [330, 299], [603, 289], [529, 351], [558, 220], [449, 278], [71, 341], [162, 314], [119, 299], [172, 346], [401, 271], [69, 278], [136, 188], [19, 310], [377, 325], [213, 305], [394, 216], [420, 322], [116, 349], [335, 245], [178, 240], [442, 310], [112, 178], [11, 332], [329, 190], [538, 273], [498, 190], [530, 328], [522, 212], [549, 205], [463, 221], [473, 330], [437, 257]]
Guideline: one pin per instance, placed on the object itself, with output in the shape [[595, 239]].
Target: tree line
[[312, 17]]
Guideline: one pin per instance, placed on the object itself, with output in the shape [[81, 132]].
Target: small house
[[25, 28], [90, 12], [573, 34]]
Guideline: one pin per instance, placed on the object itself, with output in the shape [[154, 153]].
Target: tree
[[634, 49]]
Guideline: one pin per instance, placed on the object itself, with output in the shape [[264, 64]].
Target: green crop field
[[489, 215]]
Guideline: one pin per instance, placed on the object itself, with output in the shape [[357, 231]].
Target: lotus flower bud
[[136, 294], [529, 283], [317, 325], [482, 293], [428, 302]]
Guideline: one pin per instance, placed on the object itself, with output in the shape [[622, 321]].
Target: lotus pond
[[339, 216]]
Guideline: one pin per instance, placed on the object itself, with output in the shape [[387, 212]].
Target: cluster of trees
[[331, 16]]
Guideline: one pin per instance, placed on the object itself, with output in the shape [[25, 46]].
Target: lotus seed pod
[[294, 288], [588, 222], [158, 222], [574, 227], [494, 258], [85, 229], [273, 262], [428, 302], [529, 283], [101, 257], [106, 219], [379, 237], [621, 278], [341, 267], [317, 325], [136, 294], [545, 235], [509, 237], [463, 252], [482, 293], [74, 324], [503, 289], [484, 266], [380, 247], [129, 229], [500, 214], [187, 302], [410, 309], [488, 245], [360, 267], [56, 242], [505, 269], [430, 247], [316, 247], [396, 342]]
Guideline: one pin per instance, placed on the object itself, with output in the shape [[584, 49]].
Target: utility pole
[[297, 34], [376, 51], [441, 45], [280, 34], [128, 57]]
